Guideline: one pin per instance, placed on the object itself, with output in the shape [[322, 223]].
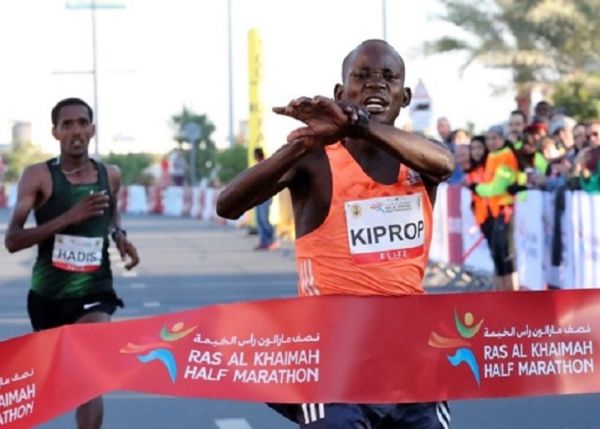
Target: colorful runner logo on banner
[[160, 350], [467, 329]]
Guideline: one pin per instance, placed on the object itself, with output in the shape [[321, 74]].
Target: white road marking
[[137, 285], [14, 321], [233, 424], [151, 304], [129, 274]]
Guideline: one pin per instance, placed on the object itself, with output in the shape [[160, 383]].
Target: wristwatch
[[115, 231], [360, 126]]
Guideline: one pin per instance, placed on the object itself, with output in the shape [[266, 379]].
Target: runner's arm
[[428, 158], [263, 180], [328, 121], [18, 237], [124, 246]]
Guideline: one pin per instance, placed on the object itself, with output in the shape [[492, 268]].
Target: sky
[[156, 56]]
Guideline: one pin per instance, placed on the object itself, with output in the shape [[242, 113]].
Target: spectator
[[590, 177], [593, 134], [549, 149], [542, 112], [500, 172], [516, 125], [532, 163], [579, 137], [535, 133], [475, 174], [177, 166], [266, 231], [459, 141], [444, 130], [593, 141], [561, 129]]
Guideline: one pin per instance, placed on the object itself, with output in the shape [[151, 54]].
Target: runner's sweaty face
[[74, 130], [374, 79]]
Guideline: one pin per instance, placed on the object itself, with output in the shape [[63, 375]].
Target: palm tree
[[540, 41]]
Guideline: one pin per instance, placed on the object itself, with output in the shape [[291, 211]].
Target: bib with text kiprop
[[77, 254], [385, 228]]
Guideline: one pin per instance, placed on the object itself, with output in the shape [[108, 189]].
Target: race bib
[[385, 228], [77, 254]]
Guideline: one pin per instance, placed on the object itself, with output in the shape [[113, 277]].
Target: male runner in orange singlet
[[362, 194]]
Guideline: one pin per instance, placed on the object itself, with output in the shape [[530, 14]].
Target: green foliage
[[541, 41], [20, 156], [206, 159], [231, 162], [578, 99], [132, 166]]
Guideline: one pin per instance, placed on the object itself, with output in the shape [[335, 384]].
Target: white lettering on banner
[[562, 348], [18, 395], [540, 367], [15, 407], [280, 376], [77, 254], [210, 358], [504, 369], [286, 358], [532, 356], [305, 362], [14, 414], [204, 373], [386, 228]]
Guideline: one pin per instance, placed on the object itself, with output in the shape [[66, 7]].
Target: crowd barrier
[[565, 254], [178, 201], [195, 202]]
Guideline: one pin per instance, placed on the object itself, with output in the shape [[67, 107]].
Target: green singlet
[[75, 262]]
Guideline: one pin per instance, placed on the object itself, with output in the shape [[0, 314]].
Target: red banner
[[320, 349]]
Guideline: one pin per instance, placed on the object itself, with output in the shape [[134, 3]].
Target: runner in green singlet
[[74, 202]]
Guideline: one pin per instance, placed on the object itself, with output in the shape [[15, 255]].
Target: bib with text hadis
[[77, 254], [385, 228]]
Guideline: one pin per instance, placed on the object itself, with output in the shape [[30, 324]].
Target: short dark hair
[[351, 54], [259, 154], [69, 102], [519, 112]]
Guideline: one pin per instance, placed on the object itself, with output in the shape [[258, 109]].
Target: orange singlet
[[375, 239]]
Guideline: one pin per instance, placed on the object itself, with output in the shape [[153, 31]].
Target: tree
[[132, 165], [578, 99], [206, 150], [231, 162], [20, 156], [541, 41]]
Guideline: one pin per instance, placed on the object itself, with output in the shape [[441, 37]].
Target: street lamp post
[[95, 79], [92, 5], [384, 18], [230, 63]]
